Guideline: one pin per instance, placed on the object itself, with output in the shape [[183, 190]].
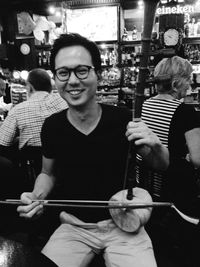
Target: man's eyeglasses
[[81, 72]]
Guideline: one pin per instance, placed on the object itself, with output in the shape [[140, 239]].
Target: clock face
[[171, 37], [25, 49]]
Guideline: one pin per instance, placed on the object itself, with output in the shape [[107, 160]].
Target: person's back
[[20, 138], [157, 114], [25, 119], [178, 127], [172, 120]]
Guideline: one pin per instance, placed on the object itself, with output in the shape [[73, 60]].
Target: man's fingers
[[30, 213], [28, 208]]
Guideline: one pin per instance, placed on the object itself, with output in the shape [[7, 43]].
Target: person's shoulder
[[54, 95], [185, 108], [186, 117], [57, 116], [54, 121], [19, 108], [55, 98], [115, 110]]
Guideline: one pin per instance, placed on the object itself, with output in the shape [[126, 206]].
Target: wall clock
[[171, 37], [25, 49]]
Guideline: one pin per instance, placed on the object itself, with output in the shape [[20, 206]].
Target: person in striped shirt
[[176, 124], [178, 127]]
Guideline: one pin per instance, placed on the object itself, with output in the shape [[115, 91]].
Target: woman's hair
[[40, 80], [71, 39], [170, 72]]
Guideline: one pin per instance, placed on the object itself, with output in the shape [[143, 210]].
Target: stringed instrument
[[127, 219]]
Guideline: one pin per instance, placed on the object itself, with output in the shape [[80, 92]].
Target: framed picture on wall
[[97, 24], [25, 24]]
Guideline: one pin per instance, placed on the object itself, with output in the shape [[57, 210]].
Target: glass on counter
[[110, 77], [18, 93]]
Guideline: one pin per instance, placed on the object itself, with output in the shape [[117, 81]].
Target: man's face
[[2, 88], [75, 91]]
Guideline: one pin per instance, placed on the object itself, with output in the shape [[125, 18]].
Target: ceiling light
[[51, 10]]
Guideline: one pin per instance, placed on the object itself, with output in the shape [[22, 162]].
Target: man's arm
[[149, 146], [43, 186], [45, 180], [157, 157]]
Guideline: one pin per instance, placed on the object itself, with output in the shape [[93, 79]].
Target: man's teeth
[[75, 92]]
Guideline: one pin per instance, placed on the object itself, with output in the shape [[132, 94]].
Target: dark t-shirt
[[180, 179], [88, 167], [185, 118]]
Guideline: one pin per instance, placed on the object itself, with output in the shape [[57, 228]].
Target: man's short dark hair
[[40, 80], [71, 39]]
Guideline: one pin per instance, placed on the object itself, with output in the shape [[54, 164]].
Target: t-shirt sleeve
[[47, 139]]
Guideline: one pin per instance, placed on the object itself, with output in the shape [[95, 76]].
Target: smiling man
[[85, 148]]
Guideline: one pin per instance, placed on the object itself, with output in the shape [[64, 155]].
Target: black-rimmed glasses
[[81, 72]]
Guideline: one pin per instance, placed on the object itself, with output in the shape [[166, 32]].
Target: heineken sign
[[178, 9]]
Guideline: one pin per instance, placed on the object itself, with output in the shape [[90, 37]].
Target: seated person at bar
[[85, 148], [24, 121], [20, 138], [178, 126], [20, 131], [4, 107], [6, 166], [7, 72]]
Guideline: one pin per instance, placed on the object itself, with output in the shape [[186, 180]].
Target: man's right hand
[[30, 209]]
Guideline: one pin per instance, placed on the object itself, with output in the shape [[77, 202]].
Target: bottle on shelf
[[151, 61], [48, 53], [134, 33], [123, 56], [125, 35], [137, 60], [40, 63], [186, 30], [44, 58]]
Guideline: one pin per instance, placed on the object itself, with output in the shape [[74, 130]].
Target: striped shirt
[[157, 114], [25, 119]]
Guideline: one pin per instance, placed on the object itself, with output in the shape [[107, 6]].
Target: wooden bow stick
[[92, 203], [104, 204]]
